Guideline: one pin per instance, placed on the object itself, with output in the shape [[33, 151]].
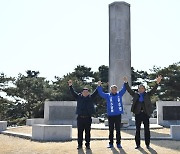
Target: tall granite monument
[[120, 50]]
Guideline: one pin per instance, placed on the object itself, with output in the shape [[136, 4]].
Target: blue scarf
[[141, 98]]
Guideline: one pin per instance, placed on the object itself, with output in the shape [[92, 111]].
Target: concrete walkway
[[95, 127], [102, 126], [27, 136]]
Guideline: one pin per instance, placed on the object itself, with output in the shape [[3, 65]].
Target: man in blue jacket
[[114, 111], [84, 110]]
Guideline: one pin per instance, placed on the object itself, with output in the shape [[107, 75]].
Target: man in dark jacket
[[142, 108], [84, 110]]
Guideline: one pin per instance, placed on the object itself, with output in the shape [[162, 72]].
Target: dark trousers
[[114, 121], [84, 123], [142, 117]]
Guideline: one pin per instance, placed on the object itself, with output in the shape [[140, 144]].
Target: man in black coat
[[84, 110], [142, 108]]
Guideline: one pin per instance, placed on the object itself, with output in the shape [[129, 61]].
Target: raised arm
[[123, 90], [158, 80], [100, 91], [73, 92], [130, 91], [94, 94]]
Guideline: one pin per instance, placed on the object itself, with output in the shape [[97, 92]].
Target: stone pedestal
[[153, 120], [106, 123], [95, 120], [120, 50], [3, 125], [60, 113], [52, 132], [30, 122], [168, 113], [174, 130]]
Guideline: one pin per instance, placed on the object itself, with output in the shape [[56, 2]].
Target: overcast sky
[[54, 36]]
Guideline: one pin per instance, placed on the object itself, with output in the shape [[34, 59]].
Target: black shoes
[[137, 147], [87, 145], [79, 147], [147, 146]]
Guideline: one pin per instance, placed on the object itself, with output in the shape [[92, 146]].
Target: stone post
[[120, 50]]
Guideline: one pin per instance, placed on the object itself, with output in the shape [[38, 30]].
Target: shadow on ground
[[153, 133], [175, 145]]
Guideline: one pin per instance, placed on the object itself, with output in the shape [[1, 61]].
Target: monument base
[[174, 129], [30, 122], [51, 132], [127, 116]]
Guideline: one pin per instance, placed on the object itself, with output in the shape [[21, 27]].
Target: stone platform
[[94, 127], [41, 132], [3, 125], [102, 126]]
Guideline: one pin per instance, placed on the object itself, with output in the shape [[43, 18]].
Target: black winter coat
[[136, 106], [81, 101]]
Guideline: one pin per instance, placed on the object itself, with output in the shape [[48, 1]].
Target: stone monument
[[168, 113], [60, 113], [120, 50], [59, 118]]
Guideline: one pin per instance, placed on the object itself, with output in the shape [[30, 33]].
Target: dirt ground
[[15, 145]]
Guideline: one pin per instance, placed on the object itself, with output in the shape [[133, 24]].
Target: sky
[[54, 36]]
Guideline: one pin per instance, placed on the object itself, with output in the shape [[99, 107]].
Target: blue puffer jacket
[[114, 101]]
